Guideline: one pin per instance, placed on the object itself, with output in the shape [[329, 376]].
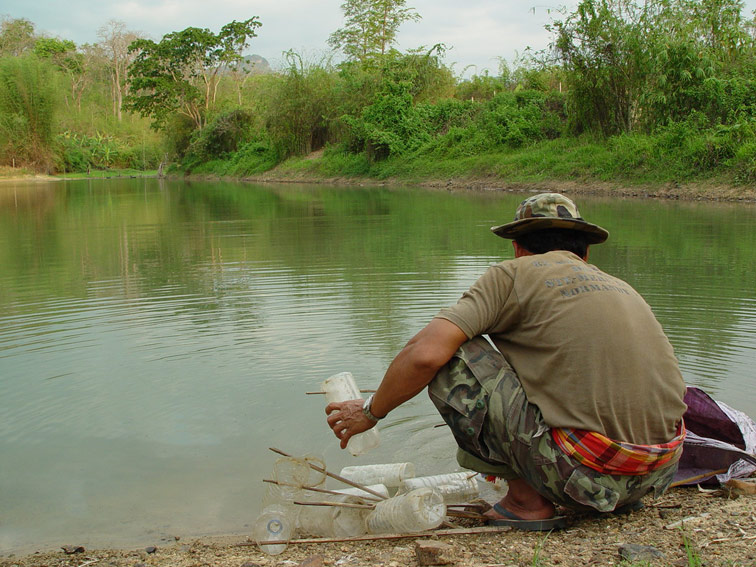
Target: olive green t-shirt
[[586, 346]]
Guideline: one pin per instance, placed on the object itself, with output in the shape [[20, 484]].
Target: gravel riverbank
[[685, 527]]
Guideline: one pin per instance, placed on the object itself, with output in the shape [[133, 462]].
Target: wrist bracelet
[[367, 412]]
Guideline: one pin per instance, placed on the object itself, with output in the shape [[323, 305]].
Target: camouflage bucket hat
[[549, 210]]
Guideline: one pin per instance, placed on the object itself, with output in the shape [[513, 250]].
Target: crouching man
[[580, 404]]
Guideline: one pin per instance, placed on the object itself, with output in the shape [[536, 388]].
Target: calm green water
[[156, 338]]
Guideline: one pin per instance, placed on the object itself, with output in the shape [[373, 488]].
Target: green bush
[[338, 161], [300, 108], [480, 88], [73, 157], [221, 136], [178, 134], [255, 156], [744, 163]]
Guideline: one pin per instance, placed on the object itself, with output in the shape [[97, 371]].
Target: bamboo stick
[[698, 477], [449, 525], [361, 391], [336, 504], [454, 513], [372, 537], [467, 505], [334, 476], [463, 514], [319, 490]]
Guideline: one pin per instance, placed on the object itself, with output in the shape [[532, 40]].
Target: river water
[[156, 337]]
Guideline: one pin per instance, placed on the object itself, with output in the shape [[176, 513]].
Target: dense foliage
[[653, 90]]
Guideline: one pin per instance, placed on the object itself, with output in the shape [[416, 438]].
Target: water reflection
[[156, 338]]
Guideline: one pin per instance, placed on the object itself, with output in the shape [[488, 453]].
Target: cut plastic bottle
[[381, 489], [417, 511], [389, 474], [455, 488], [273, 529], [329, 521]]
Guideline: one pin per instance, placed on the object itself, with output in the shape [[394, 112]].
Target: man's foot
[[524, 502], [500, 516]]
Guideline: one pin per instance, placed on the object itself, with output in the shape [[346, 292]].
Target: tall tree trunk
[[118, 91]]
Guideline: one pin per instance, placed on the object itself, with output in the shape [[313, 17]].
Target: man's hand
[[411, 371], [346, 419]]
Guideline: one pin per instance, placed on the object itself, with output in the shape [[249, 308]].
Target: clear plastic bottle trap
[[455, 488], [273, 529], [416, 511], [390, 474]]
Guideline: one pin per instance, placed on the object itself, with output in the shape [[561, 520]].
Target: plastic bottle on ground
[[330, 521], [350, 522], [455, 488], [379, 488], [273, 529], [416, 511], [389, 474], [315, 521], [297, 471], [284, 497], [339, 388]]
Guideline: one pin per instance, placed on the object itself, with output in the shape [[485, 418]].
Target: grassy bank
[[20, 173], [108, 174], [625, 165]]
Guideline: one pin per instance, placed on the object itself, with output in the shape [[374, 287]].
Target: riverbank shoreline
[[7, 177], [687, 526], [701, 191], [685, 192]]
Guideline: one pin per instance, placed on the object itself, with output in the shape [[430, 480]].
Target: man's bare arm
[[411, 371]]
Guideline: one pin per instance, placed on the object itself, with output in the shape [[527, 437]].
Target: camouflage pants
[[498, 432]]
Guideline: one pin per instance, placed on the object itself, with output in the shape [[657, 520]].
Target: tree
[[180, 74], [603, 47], [16, 36], [300, 112], [27, 100], [240, 71], [371, 27], [114, 41], [64, 55], [631, 63]]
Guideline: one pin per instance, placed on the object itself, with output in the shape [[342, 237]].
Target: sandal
[[514, 521]]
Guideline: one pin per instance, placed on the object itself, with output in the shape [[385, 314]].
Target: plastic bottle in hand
[[340, 388]]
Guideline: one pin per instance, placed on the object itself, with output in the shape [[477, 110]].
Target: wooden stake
[[334, 476]]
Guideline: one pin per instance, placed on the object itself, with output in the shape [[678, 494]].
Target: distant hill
[[254, 64]]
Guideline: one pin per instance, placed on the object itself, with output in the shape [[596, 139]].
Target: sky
[[477, 33]]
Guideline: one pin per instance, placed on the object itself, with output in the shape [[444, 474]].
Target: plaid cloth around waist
[[616, 457]]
